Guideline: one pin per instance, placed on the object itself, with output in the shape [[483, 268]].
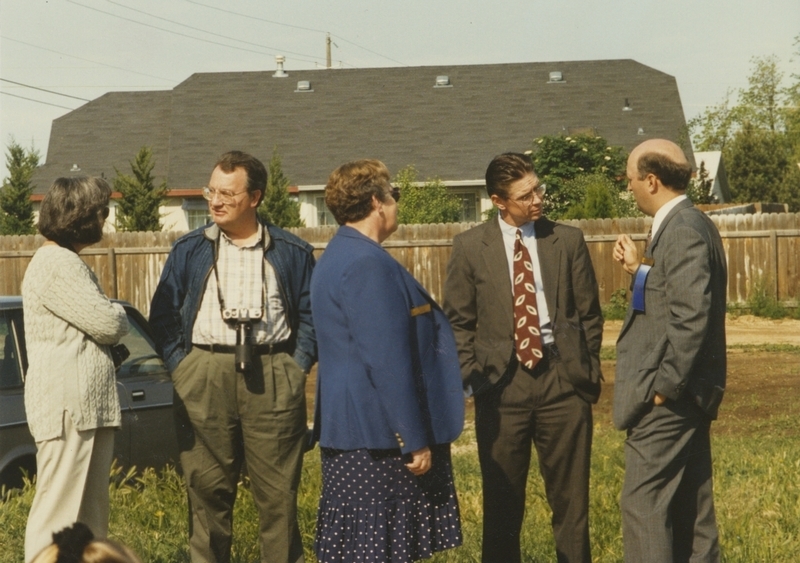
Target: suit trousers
[[224, 419], [72, 479], [667, 498], [540, 407]]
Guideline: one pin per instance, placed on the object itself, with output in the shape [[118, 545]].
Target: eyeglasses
[[395, 193], [527, 199], [225, 196]]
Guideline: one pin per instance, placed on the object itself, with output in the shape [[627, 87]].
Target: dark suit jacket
[[388, 368], [478, 300], [677, 345]]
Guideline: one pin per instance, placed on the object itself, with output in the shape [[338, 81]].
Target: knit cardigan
[[69, 327]]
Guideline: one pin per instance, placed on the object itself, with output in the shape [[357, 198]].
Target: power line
[[43, 90], [37, 101], [248, 16], [85, 60], [169, 30], [313, 59]]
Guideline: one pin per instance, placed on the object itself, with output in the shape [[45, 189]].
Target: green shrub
[[617, 306], [762, 303]]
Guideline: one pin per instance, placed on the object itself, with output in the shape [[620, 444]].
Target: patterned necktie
[[649, 239], [527, 337]]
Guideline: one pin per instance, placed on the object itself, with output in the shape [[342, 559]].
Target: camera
[[242, 321]]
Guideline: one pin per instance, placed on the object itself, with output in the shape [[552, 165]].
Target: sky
[[56, 54]]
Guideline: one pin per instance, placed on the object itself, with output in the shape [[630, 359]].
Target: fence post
[[773, 239], [112, 271]]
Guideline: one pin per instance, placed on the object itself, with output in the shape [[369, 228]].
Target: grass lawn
[[756, 469]]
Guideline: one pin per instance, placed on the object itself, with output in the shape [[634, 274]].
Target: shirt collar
[[527, 229], [255, 243], [662, 213]]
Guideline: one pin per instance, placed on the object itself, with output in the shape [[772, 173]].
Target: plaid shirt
[[241, 273]]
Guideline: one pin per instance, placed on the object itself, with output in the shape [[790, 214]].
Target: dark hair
[[349, 191], [76, 544], [254, 168], [674, 175], [73, 210], [504, 170]]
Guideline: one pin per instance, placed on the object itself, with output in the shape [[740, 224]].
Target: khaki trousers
[[225, 418], [71, 485]]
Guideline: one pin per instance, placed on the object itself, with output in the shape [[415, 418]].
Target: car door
[[145, 388], [17, 448]]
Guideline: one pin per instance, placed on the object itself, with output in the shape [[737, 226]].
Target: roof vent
[[279, 60], [75, 168], [627, 106], [556, 76], [304, 86], [442, 81]]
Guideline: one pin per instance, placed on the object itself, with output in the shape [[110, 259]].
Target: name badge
[[421, 310], [639, 284]]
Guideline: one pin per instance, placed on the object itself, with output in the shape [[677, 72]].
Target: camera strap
[[263, 278]]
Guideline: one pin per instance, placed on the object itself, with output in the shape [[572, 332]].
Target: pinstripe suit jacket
[[676, 347]]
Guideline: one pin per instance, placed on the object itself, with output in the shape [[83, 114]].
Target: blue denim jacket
[[183, 282]]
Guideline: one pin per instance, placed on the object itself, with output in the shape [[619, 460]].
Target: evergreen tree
[[699, 190], [139, 207], [428, 203], [278, 207], [595, 196], [16, 209]]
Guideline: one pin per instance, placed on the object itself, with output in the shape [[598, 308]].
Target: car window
[[143, 359], [10, 377]]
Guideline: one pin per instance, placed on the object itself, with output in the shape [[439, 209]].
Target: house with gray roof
[[447, 121]]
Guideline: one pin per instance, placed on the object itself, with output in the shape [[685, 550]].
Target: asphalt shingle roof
[[394, 114]]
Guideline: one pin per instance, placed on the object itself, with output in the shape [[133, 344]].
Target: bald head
[[665, 160]]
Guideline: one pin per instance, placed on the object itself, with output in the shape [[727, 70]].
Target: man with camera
[[232, 319]]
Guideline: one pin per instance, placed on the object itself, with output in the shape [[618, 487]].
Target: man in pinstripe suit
[[670, 366]]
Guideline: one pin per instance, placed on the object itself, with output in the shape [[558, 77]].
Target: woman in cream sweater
[[70, 389]]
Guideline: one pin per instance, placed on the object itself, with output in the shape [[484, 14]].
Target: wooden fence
[[761, 249]]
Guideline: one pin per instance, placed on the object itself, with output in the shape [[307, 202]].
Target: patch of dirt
[[744, 329], [760, 398]]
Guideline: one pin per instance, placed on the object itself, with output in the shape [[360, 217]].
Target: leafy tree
[[759, 136], [426, 203], [278, 207], [16, 209], [713, 129], [139, 207], [558, 159], [758, 160]]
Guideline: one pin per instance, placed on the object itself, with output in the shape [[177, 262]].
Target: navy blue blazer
[[388, 372]]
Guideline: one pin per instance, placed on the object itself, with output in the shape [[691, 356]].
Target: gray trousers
[[667, 499], [225, 418]]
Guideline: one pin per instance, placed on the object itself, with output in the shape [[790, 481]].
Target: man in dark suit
[[522, 299], [670, 365]]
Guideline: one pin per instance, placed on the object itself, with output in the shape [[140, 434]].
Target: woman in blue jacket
[[389, 395]]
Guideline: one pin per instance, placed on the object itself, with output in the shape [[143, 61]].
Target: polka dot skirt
[[373, 509]]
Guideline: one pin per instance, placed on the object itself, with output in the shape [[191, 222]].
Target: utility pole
[[328, 51]]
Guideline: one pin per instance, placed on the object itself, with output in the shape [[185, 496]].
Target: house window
[[324, 217], [196, 218], [469, 206]]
